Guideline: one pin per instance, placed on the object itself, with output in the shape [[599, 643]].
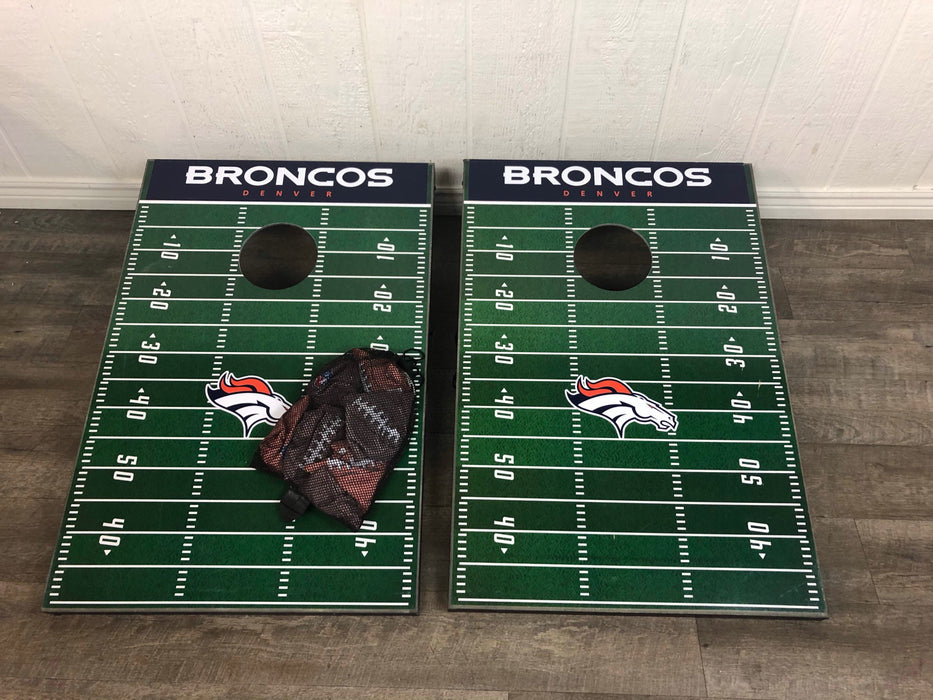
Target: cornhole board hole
[[242, 278], [624, 439]]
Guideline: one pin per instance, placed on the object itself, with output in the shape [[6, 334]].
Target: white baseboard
[[774, 204], [67, 194], [884, 204]]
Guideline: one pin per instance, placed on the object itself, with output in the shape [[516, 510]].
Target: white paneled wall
[[830, 100]]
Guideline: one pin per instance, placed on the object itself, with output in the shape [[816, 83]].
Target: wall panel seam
[[778, 66], [468, 79], [370, 95], [671, 80], [13, 151], [267, 79], [917, 185], [869, 98], [88, 115], [170, 78], [562, 144]]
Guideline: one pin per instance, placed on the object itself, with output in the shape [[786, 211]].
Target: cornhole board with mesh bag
[[244, 278], [619, 447]]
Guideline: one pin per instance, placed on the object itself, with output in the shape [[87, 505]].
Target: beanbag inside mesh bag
[[338, 443]]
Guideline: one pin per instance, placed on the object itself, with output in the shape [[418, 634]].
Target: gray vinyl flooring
[[855, 303]]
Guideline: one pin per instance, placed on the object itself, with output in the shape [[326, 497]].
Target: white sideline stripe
[[604, 533], [609, 501], [633, 567], [638, 603], [612, 439], [608, 203], [279, 203]]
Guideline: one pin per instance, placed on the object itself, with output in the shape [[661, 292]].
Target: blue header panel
[[607, 182], [288, 182]]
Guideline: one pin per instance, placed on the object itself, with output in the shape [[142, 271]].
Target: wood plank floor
[[855, 303]]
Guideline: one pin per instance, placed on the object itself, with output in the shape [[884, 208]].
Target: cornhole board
[[164, 512], [571, 489]]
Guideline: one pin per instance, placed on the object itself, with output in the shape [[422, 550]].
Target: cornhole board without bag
[[623, 445], [244, 277]]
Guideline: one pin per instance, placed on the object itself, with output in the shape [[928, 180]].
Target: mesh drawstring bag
[[338, 443]]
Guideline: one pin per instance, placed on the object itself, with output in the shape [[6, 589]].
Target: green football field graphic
[[164, 512], [553, 509]]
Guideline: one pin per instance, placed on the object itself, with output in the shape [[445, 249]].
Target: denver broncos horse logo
[[251, 399], [613, 400]]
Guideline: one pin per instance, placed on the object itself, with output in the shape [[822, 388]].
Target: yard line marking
[[631, 381], [564, 252], [673, 502], [241, 227], [201, 380], [267, 325], [590, 354], [279, 301], [238, 533], [638, 603], [311, 276], [235, 250], [609, 533], [279, 203], [316, 567], [649, 277], [216, 468], [238, 352], [587, 228], [753, 302], [610, 326], [627, 439], [514, 407], [611, 203], [661, 470], [632, 567], [310, 604], [242, 501]]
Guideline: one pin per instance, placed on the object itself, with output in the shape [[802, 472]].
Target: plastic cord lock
[[293, 505]]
